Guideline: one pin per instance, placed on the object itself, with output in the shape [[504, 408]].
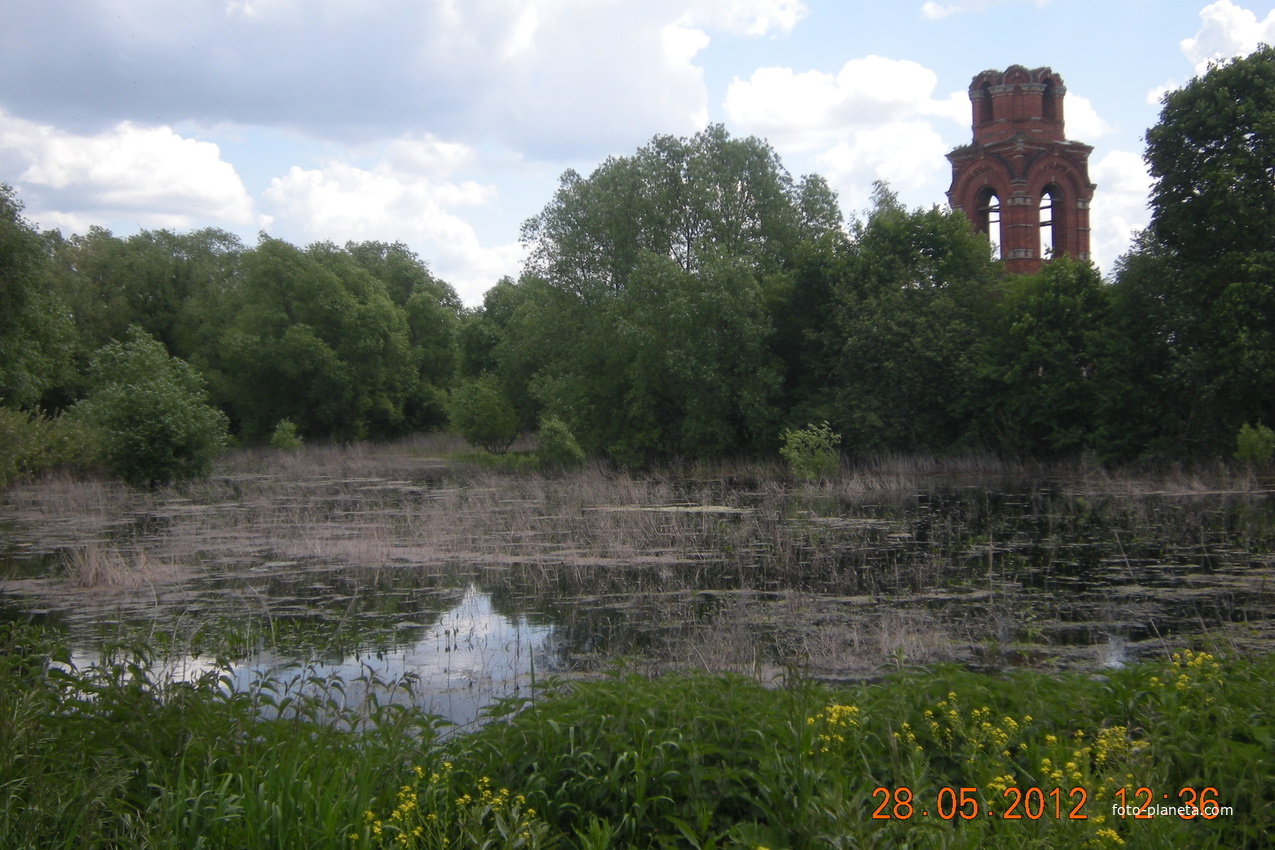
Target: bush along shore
[[1176, 752]]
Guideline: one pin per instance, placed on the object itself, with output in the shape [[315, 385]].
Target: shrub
[[1255, 444], [285, 436], [483, 415], [31, 443], [812, 452], [150, 414], [558, 446]]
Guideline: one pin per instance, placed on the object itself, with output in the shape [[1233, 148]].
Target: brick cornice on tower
[[1020, 156]]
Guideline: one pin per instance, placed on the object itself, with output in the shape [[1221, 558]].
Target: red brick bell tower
[[1020, 181]]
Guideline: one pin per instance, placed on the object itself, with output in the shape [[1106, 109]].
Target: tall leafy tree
[[690, 200], [1044, 360], [1212, 157], [650, 284], [175, 286], [35, 336], [317, 340], [914, 300], [432, 310]]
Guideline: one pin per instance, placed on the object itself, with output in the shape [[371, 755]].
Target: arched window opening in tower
[[989, 219], [1048, 203]]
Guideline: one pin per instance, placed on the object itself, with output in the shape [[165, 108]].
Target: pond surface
[[392, 566]]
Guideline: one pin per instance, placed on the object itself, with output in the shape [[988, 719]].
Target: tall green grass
[[113, 755]]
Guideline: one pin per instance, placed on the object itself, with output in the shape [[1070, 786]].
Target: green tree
[[36, 340], [700, 381], [643, 319], [1212, 239], [150, 413], [315, 339], [690, 200], [483, 415], [914, 300], [1044, 360]]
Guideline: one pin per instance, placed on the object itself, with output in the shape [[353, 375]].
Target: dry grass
[[97, 566]]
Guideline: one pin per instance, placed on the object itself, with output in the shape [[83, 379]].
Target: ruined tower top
[[1020, 181], [1018, 101]]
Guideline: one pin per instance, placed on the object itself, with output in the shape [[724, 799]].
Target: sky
[[444, 124]]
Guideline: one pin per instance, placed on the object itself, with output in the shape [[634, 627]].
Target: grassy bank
[[115, 756]]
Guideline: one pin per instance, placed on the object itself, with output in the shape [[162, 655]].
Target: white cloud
[[802, 111], [748, 17], [1119, 206], [566, 79], [523, 37], [1226, 30], [1083, 121], [906, 154], [407, 196], [149, 174], [682, 41], [872, 120], [935, 11], [1157, 94]]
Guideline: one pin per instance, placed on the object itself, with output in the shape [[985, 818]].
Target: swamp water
[[379, 567]]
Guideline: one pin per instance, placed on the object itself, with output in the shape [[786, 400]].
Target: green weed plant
[[1255, 444], [811, 453], [285, 436]]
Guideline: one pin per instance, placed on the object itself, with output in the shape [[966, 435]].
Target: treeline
[[693, 300]]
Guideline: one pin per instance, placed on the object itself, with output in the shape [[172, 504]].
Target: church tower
[[1020, 181]]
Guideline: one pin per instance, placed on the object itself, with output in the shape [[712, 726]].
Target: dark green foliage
[[912, 306], [347, 342], [315, 339], [173, 286], [1043, 360], [1209, 259], [149, 413], [691, 200], [482, 414], [699, 380], [35, 336], [645, 322]]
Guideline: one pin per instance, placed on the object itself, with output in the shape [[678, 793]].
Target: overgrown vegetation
[[116, 754], [149, 413], [1256, 445], [32, 444], [812, 452]]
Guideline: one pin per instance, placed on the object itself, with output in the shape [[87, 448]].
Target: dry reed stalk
[[100, 566]]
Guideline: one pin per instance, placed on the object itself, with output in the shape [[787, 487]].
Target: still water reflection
[[469, 657]]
